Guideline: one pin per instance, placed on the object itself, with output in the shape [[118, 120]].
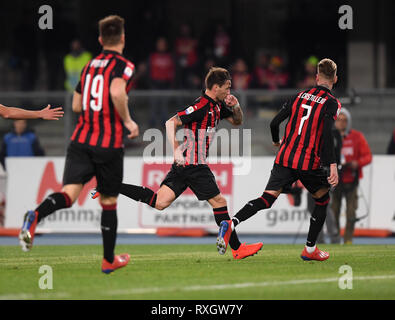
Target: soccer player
[[18, 114], [96, 147], [189, 168], [306, 153]]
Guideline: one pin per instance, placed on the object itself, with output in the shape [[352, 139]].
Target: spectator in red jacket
[[240, 76], [185, 47], [355, 155], [162, 75]]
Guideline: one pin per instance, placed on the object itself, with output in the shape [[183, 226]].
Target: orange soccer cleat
[[317, 254], [119, 262], [246, 250]]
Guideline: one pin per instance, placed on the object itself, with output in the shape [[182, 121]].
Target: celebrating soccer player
[[189, 168], [96, 147], [306, 153]]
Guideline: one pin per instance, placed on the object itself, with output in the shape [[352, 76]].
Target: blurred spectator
[[355, 154], [277, 78], [221, 45], [73, 63], [309, 74], [240, 77], [186, 57], [391, 145], [259, 75], [20, 142], [141, 80], [25, 51], [162, 76]]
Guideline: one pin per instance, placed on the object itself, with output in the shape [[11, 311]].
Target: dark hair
[[217, 76], [111, 29], [327, 68]]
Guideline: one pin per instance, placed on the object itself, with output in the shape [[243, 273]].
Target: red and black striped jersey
[[99, 124], [200, 121], [302, 145]]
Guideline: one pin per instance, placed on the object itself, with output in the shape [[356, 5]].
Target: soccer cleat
[[95, 194], [119, 262], [26, 236], [225, 230], [246, 250], [317, 254]]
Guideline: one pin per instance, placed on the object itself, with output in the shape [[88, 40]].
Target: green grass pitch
[[197, 272]]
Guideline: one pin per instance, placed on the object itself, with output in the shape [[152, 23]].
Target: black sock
[[317, 219], [252, 207], [53, 202], [221, 214], [109, 224], [139, 193]]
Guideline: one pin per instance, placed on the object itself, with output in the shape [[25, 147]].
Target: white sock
[[310, 249]]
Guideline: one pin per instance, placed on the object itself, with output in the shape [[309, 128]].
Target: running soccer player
[[96, 147], [190, 168], [306, 153], [15, 113]]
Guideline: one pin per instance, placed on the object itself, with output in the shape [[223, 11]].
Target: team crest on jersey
[[128, 72], [189, 110]]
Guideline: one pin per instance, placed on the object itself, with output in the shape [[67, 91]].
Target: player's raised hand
[[133, 129], [231, 100], [51, 114]]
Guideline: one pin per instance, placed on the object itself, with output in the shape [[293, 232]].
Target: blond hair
[[327, 68]]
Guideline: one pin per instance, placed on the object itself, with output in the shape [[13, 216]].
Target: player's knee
[[323, 200], [108, 200], [218, 201], [265, 201], [161, 205], [72, 191]]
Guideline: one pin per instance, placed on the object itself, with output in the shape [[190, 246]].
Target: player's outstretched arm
[[17, 113], [120, 100]]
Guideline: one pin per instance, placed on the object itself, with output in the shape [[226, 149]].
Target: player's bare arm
[[77, 102], [17, 113], [171, 128], [237, 117], [120, 100]]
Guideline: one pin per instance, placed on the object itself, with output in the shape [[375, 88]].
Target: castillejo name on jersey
[[312, 97]]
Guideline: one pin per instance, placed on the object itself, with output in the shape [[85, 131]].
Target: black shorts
[[313, 180], [198, 178], [84, 162]]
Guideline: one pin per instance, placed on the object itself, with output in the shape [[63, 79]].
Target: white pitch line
[[238, 285], [31, 296], [63, 295]]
